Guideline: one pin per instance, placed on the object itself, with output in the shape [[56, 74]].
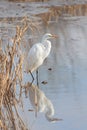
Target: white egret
[[43, 103], [39, 52]]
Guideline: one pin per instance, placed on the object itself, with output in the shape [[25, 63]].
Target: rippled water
[[67, 81]]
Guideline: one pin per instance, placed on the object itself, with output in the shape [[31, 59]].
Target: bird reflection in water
[[36, 56], [43, 103]]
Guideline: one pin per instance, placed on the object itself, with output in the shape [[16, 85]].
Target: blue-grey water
[[67, 81]]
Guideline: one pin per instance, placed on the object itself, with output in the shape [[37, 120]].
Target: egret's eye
[[50, 35]]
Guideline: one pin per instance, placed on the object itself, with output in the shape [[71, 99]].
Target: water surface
[[67, 81]]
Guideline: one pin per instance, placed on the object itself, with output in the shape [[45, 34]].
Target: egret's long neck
[[47, 47], [43, 39], [46, 43]]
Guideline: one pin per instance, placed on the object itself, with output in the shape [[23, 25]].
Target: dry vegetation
[[11, 79], [56, 11], [11, 72]]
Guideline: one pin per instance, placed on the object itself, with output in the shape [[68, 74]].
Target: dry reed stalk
[[73, 10], [11, 77], [56, 11]]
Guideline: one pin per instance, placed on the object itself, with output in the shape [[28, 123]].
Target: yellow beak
[[54, 36]]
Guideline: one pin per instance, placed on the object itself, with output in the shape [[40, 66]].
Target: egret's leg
[[37, 77], [31, 76]]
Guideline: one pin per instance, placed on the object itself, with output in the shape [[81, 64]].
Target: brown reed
[[11, 77], [57, 11]]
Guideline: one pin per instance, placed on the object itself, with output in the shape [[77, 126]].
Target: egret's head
[[48, 36]]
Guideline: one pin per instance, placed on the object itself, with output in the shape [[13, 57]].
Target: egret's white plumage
[[39, 52]]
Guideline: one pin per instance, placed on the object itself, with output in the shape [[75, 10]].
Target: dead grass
[[11, 78], [56, 11], [11, 67]]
